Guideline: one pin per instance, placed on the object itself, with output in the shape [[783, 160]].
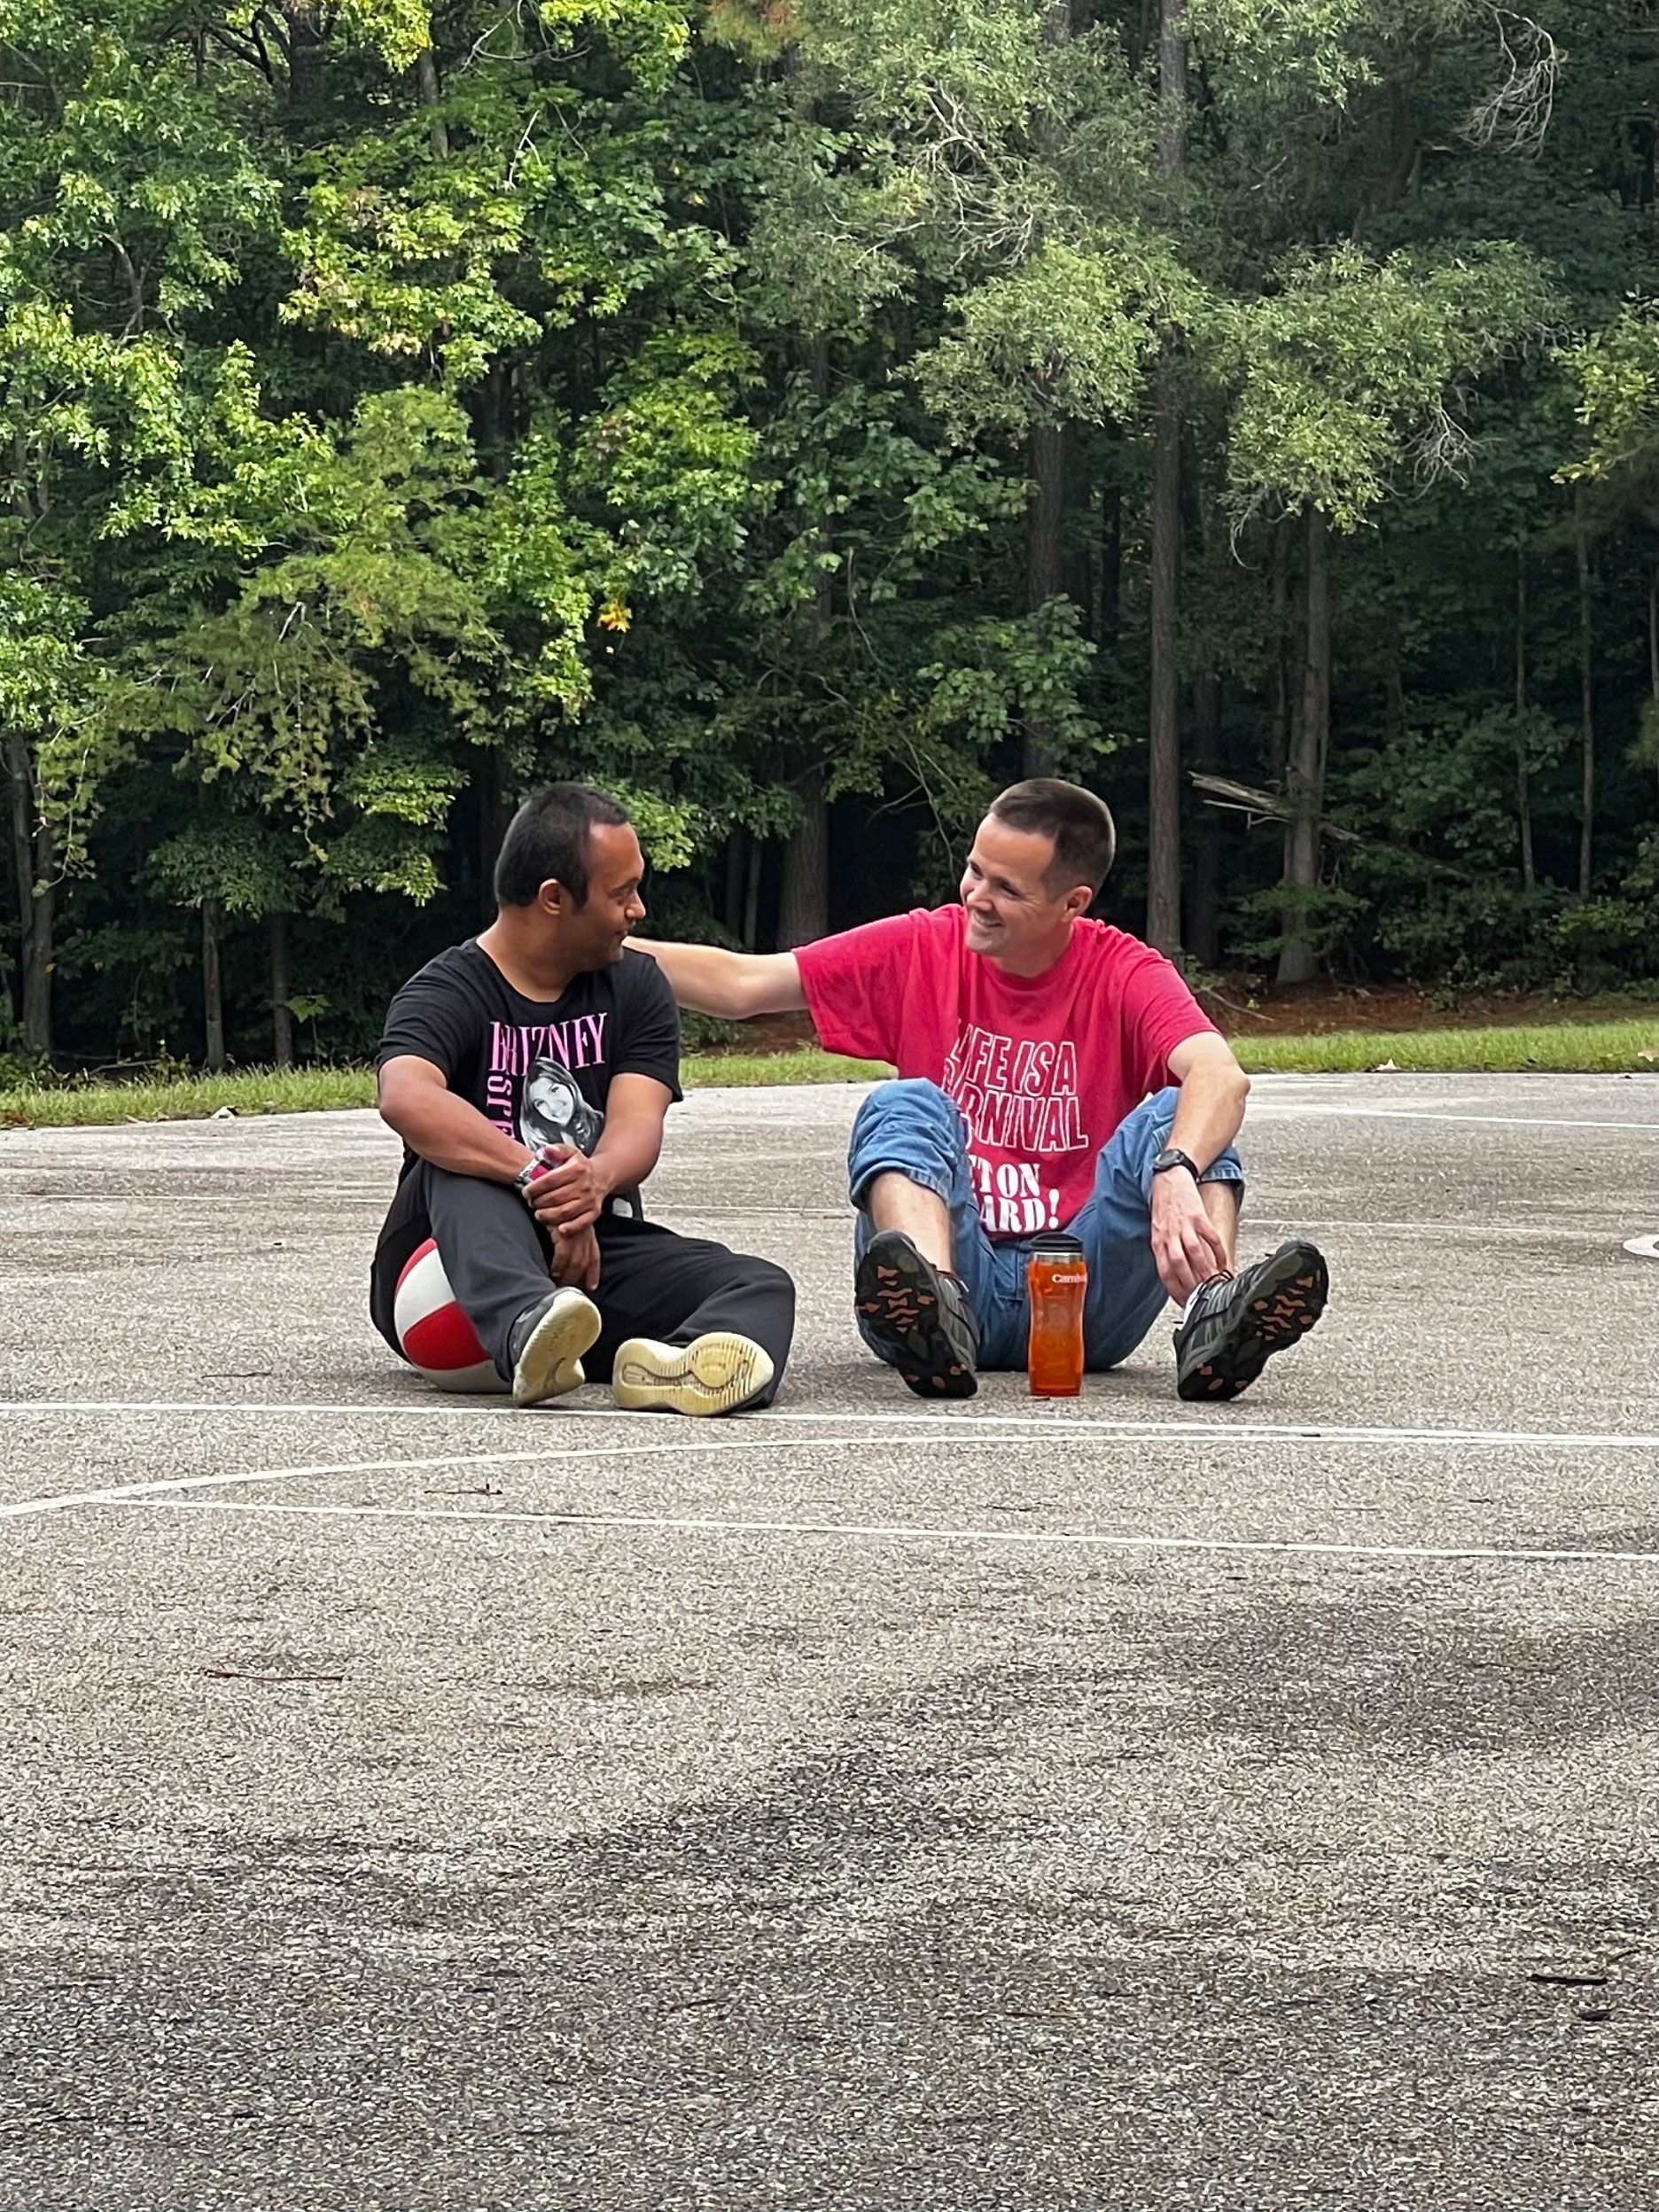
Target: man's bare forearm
[[1211, 1109], [448, 1131], [732, 986], [704, 978], [633, 1140]]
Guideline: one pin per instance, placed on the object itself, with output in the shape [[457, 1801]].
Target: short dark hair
[[546, 842], [1084, 840]]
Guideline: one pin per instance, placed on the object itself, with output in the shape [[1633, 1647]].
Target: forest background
[[802, 418]]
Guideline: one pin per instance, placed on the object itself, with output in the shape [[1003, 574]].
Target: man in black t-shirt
[[528, 1072]]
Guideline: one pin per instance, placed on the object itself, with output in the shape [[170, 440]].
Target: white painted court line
[[1418, 1113], [1217, 1429], [992, 1432], [124, 1493], [1223, 1430], [908, 1532], [491, 1408], [1304, 1225]]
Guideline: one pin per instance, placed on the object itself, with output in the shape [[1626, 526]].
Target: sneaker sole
[[551, 1363], [891, 1290], [713, 1374], [1289, 1303]]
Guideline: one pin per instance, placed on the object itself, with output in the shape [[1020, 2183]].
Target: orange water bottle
[[1056, 1279]]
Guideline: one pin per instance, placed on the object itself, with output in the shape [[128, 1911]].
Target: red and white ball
[[436, 1337]]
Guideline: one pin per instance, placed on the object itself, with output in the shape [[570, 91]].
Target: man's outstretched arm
[[732, 986]]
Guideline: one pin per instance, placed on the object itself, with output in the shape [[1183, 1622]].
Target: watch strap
[[1172, 1156]]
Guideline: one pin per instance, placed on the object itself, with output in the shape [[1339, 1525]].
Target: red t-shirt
[[1043, 1067]]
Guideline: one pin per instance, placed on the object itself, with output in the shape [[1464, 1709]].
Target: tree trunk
[[302, 24], [1395, 681], [1163, 870], [1164, 858], [1278, 710], [804, 904], [1653, 655], [494, 816], [1586, 705], [492, 407], [1306, 765], [1204, 914], [1107, 564], [1045, 512], [212, 985], [426, 84], [1172, 85], [1044, 518], [734, 882], [752, 894], [32, 861], [1203, 931], [804, 891], [281, 989], [1523, 781]]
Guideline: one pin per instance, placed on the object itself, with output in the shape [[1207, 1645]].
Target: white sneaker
[[548, 1342], [713, 1375]]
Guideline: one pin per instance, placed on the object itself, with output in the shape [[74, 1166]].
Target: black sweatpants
[[651, 1282]]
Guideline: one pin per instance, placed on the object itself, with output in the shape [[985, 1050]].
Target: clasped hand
[[576, 1259], [567, 1197], [1186, 1243]]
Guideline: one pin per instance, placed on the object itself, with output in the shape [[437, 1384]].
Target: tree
[[806, 416], [1344, 375], [43, 695], [1163, 842], [1008, 163]]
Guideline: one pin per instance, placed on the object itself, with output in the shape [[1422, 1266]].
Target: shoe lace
[[1202, 1300]]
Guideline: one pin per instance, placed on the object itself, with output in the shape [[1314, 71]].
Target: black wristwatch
[[1169, 1158]]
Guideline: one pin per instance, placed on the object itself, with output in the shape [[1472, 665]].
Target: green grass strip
[[1623, 1047], [808, 1063], [1562, 1049], [246, 1091], [253, 1090]]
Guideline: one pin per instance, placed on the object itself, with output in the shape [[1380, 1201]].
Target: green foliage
[[668, 462], [1001, 673], [228, 862], [1066, 337], [396, 414], [1349, 369], [1616, 371]]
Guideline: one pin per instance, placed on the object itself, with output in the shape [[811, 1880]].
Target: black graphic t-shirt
[[540, 1070]]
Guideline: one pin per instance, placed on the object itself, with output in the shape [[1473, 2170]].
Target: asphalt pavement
[[418, 1805]]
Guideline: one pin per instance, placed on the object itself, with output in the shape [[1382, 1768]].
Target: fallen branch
[[1244, 798]]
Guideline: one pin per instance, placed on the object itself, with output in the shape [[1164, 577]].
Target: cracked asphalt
[[425, 1806]]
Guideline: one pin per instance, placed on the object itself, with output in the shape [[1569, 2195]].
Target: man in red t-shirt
[[1053, 1073]]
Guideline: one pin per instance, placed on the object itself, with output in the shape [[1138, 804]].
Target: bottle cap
[[1055, 1242]]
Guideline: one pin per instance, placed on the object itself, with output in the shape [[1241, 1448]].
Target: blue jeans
[[914, 1130]]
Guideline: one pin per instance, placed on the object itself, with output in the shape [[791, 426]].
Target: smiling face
[[592, 935], [1016, 916]]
